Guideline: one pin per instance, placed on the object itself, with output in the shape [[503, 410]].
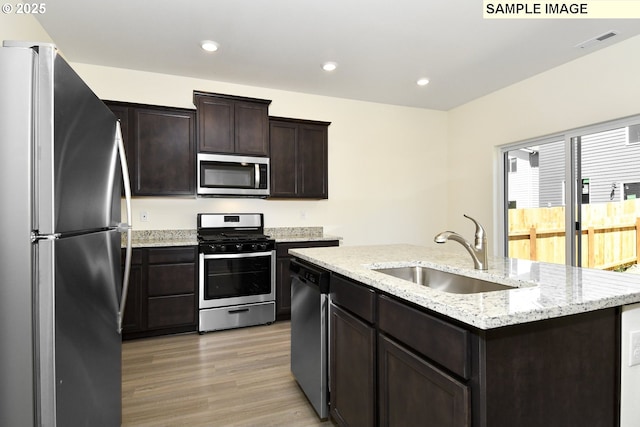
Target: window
[[540, 209], [633, 134]]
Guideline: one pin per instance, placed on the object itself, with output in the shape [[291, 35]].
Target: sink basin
[[442, 281]]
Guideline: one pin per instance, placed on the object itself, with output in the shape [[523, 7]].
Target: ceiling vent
[[597, 39]]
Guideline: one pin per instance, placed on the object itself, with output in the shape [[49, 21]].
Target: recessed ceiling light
[[423, 82], [329, 66], [209, 46]]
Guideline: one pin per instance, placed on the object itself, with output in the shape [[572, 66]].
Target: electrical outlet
[[634, 348], [144, 216]]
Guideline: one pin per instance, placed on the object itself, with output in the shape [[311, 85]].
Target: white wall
[[385, 168], [389, 181], [598, 87], [22, 27], [386, 163]]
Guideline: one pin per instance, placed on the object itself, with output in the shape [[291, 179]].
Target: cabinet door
[[122, 114], [251, 129], [284, 171], [299, 151], [413, 392], [215, 125], [312, 161], [164, 152], [134, 308], [283, 288], [353, 370]]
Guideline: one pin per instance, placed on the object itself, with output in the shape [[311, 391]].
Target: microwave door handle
[[257, 174]]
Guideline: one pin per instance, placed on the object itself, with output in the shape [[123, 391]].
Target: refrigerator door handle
[[36, 237], [124, 227]]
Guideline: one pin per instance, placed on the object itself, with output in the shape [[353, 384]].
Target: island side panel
[[556, 372]]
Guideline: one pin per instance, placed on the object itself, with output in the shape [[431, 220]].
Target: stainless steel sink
[[442, 281]]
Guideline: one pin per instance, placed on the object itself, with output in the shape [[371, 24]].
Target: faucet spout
[[478, 250]]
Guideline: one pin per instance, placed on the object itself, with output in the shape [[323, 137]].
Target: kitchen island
[[544, 352]]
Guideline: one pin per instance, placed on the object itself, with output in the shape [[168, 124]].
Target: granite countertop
[[160, 238], [540, 290], [298, 234]]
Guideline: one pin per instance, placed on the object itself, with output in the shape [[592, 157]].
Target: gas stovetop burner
[[232, 233], [223, 237], [236, 248]]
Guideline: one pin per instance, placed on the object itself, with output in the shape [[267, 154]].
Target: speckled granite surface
[[298, 234], [540, 290], [158, 238]]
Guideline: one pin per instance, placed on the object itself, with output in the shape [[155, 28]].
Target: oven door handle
[[238, 255]]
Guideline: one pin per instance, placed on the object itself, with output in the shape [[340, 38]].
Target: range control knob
[[220, 248], [239, 246], [254, 246], [262, 246]]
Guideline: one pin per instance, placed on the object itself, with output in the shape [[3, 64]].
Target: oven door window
[[236, 277], [227, 175]]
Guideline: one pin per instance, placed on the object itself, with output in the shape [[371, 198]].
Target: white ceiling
[[381, 46]]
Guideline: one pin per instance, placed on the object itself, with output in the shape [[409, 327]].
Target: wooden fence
[[610, 234]]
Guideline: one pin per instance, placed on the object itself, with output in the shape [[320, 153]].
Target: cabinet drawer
[[171, 279], [354, 297], [173, 255], [170, 311], [442, 342]]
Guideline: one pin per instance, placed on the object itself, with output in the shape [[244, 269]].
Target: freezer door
[[79, 290], [16, 342], [78, 173]]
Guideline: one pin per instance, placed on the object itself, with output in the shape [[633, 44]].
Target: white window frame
[[628, 137], [570, 193]]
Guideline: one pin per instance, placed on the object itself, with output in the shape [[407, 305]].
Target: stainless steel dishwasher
[[309, 333]]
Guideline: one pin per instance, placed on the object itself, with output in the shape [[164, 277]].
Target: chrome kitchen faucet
[[478, 251]]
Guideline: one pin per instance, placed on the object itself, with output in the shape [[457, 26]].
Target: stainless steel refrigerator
[[60, 264]]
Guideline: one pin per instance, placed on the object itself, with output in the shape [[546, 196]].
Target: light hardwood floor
[[238, 377]]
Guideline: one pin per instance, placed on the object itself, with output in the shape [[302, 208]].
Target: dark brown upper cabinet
[[299, 150], [232, 124], [160, 147]]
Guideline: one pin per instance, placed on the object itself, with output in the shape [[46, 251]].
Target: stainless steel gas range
[[237, 271]]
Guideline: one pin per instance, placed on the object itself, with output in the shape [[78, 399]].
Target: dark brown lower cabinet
[[353, 371], [132, 320], [553, 373], [431, 370], [162, 292], [414, 392]]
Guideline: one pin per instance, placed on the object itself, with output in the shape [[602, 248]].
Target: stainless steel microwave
[[229, 175]]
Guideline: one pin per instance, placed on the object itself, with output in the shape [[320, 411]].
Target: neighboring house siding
[[608, 159], [523, 183], [552, 174]]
